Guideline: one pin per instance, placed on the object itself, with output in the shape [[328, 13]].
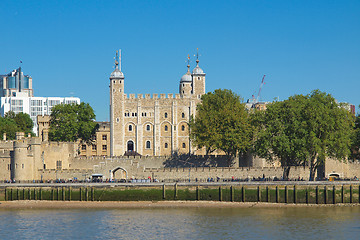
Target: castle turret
[[185, 88], [198, 79], [117, 108]]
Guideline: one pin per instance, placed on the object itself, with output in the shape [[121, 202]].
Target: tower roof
[[197, 70], [117, 71], [187, 76]]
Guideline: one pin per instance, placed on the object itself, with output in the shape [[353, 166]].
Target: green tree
[[306, 129], [221, 123], [8, 126], [71, 122], [355, 147], [280, 135], [24, 122]]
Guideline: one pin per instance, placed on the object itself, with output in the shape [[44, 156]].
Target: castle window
[[182, 128], [145, 114], [198, 78], [184, 145], [147, 144], [104, 137], [130, 128], [22, 165], [133, 114], [83, 147], [183, 115], [94, 147], [166, 115], [104, 147], [148, 127], [58, 165], [166, 128], [118, 120], [120, 81], [114, 81], [119, 89], [166, 145]]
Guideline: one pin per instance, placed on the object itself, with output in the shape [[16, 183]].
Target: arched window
[[165, 115], [183, 115], [166, 128], [130, 146], [166, 145], [184, 145], [148, 144], [130, 128], [182, 128], [148, 127]]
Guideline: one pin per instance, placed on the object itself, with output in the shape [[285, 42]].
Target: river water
[[183, 223]]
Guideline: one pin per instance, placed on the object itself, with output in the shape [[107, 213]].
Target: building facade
[[153, 125], [17, 95]]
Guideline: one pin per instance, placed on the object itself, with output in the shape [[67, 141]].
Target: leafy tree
[[280, 134], [24, 122], [20, 122], [8, 126], [222, 123], [306, 129], [355, 147], [71, 122]]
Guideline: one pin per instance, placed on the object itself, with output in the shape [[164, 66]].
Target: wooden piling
[[92, 194], [40, 194], [6, 195], [80, 194], [70, 193], [163, 191], [351, 194], [243, 194], [232, 194], [29, 193], [325, 195], [317, 194], [295, 194], [86, 194], [277, 194], [334, 194], [286, 195], [17, 194], [342, 194], [175, 191], [57, 194], [197, 193], [259, 193], [220, 194], [63, 194], [267, 194], [307, 195]]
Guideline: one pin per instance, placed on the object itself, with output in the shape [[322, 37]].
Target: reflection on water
[[183, 223]]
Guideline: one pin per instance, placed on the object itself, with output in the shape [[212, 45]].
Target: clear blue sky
[[68, 47]]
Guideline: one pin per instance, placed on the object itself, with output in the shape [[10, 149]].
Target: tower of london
[[152, 124]]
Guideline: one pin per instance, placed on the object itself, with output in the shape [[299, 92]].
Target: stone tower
[[117, 109], [198, 80], [185, 88]]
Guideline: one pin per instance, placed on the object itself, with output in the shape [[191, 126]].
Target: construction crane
[[261, 85]]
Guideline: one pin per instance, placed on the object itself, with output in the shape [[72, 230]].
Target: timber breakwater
[[272, 193]]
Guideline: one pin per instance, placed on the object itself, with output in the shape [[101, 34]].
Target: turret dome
[[117, 74]]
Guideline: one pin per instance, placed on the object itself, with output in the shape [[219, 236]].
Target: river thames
[[340, 222]]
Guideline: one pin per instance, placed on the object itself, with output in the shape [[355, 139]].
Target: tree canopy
[[221, 123], [304, 129], [12, 123], [71, 122]]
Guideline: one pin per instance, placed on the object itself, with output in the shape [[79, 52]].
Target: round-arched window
[[166, 145], [148, 144], [184, 145], [130, 128], [166, 127]]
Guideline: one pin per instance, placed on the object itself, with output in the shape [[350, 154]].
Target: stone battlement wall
[[152, 96]]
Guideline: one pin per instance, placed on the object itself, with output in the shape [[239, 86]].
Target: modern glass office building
[[17, 95]]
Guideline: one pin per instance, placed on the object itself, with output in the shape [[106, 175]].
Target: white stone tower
[[185, 88], [117, 109], [198, 79]]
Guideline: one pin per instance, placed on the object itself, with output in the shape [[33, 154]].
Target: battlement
[[152, 96]]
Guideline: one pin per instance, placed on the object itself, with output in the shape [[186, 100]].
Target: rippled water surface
[[183, 223]]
